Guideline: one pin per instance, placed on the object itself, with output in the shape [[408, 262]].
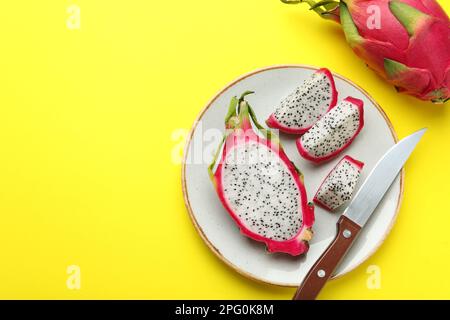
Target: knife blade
[[357, 214], [380, 179]]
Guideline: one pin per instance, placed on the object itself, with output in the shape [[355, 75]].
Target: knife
[[357, 214]]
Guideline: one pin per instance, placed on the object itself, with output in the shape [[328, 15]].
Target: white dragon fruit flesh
[[334, 132], [259, 186], [307, 104], [339, 185]]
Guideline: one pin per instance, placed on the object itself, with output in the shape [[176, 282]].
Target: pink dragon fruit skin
[[410, 48]]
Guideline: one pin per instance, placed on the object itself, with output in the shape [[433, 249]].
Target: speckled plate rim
[[186, 195]]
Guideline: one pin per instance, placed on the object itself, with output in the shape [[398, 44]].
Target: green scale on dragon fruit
[[307, 104], [334, 132], [259, 186]]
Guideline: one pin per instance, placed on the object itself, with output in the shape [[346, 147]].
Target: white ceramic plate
[[215, 225]]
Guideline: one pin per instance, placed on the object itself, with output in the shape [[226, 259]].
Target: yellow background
[[86, 123]]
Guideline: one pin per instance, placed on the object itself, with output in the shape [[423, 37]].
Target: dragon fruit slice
[[339, 185], [307, 104], [334, 132], [259, 186]]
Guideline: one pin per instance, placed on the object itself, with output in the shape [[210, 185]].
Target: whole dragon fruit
[[407, 42]]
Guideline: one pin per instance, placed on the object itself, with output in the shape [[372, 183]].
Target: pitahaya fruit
[[409, 45], [259, 186], [307, 104], [339, 185], [334, 132]]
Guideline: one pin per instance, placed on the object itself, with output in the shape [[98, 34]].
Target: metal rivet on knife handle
[[347, 233], [321, 273]]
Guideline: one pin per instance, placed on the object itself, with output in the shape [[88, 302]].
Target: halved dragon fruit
[[339, 185], [307, 104], [259, 186], [334, 132]]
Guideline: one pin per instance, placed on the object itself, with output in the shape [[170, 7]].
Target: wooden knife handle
[[347, 230]]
